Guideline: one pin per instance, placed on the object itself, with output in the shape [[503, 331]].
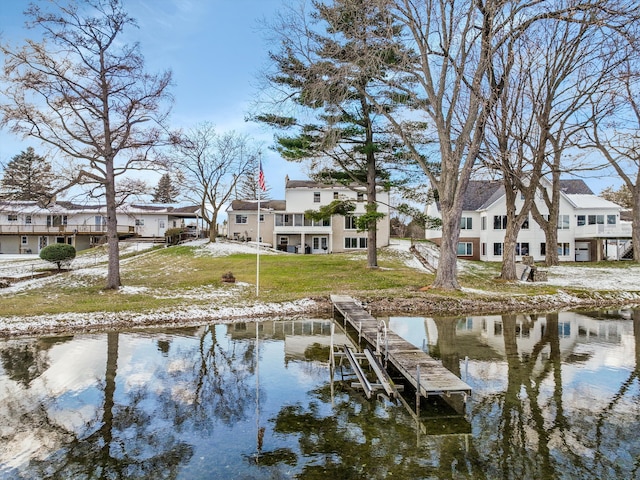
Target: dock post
[[418, 390]]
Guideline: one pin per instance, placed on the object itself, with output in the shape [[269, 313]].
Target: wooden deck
[[427, 375]]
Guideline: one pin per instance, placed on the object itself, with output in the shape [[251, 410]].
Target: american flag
[[263, 186]]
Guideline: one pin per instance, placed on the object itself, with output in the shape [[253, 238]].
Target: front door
[[320, 245]]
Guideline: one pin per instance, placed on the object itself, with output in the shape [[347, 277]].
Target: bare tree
[[558, 65], [85, 93], [615, 132], [208, 166]]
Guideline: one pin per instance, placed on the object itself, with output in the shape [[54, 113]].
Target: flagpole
[[258, 248], [261, 187]]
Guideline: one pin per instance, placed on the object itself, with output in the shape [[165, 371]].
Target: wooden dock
[[427, 375]]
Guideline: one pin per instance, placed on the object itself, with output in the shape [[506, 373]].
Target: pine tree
[[248, 188], [27, 177], [165, 192]]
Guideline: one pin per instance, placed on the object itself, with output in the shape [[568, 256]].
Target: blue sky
[[215, 49]]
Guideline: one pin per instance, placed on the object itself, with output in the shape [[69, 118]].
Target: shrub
[[58, 253], [172, 236]]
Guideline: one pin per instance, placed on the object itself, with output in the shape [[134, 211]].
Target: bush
[[58, 253], [172, 236]]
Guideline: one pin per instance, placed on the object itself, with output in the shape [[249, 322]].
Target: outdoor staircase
[[427, 256]]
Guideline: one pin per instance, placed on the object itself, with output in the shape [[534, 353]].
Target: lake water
[[555, 396]]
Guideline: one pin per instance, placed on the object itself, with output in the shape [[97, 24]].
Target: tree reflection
[[537, 435], [213, 383], [120, 442]]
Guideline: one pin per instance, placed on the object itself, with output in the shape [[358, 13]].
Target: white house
[[283, 223], [26, 227], [589, 227]]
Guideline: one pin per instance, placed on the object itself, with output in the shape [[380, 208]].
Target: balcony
[[70, 229], [622, 230]]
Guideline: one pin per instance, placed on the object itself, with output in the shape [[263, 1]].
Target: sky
[[215, 49]]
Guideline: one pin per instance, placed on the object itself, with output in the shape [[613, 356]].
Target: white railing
[[60, 229]]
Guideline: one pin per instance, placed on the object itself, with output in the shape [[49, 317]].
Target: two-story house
[[26, 227], [282, 223], [589, 227]]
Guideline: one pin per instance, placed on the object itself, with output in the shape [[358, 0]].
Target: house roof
[[575, 187], [591, 201], [252, 205], [482, 193]]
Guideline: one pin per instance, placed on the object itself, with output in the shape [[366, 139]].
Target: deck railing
[[61, 229]]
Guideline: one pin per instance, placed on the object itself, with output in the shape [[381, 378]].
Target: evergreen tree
[[27, 177], [248, 188], [165, 191]]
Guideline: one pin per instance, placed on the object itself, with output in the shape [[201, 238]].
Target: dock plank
[[433, 378]]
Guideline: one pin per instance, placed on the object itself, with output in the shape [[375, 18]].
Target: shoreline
[[189, 316]]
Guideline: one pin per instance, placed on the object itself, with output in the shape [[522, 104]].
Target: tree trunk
[[113, 269], [635, 224], [447, 272], [213, 226], [508, 270], [372, 206]]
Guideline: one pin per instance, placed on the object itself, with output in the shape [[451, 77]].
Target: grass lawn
[[182, 275]]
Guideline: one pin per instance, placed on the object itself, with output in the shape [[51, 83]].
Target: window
[[360, 197], [483, 223], [543, 248], [363, 242], [465, 249], [611, 219], [563, 249], [325, 222], [161, 223], [483, 248], [466, 223], [27, 219], [335, 195], [316, 197], [582, 221], [596, 219], [497, 249], [522, 248], [499, 222], [350, 242], [564, 329], [284, 241], [241, 219], [262, 217], [59, 220], [12, 217], [525, 224], [563, 222], [350, 222], [139, 222], [24, 240]]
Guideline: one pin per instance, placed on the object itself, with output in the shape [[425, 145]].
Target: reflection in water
[[554, 396]]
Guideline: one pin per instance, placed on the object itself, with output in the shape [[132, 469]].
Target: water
[[555, 396]]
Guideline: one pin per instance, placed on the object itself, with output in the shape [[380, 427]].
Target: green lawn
[[170, 277]]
